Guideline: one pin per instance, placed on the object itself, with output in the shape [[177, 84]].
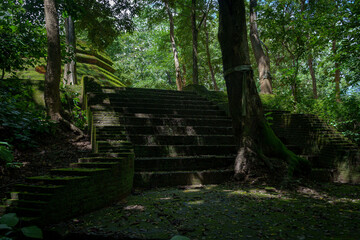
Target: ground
[[227, 211], [57, 150]]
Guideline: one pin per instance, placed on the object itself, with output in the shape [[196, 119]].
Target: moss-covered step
[[183, 150], [180, 178], [129, 120], [89, 59], [185, 163], [101, 159], [78, 172], [31, 196], [146, 90], [155, 96], [161, 105], [110, 165], [27, 204], [141, 109], [176, 130], [54, 180], [34, 188], [143, 100], [182, 139]]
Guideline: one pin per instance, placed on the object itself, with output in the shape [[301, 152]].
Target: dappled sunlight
[[230, 212]]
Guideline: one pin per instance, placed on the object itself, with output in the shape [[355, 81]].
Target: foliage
[[70, 99], [21, 42], [6, 155], [10, 230], [20, 117]]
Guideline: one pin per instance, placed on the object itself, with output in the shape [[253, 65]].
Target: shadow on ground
[[229, 211]]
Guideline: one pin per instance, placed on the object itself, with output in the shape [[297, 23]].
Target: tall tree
[[261, 58], [173, 46], [194, 42], [53, 69], [260, 151], [70, 77]]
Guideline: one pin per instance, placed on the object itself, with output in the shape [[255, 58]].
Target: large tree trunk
[[70, 77], [53, 69], [260, 151], [337, 74], [194, 43], [173, 45], [216, 88], [313, 78], [262, 59]]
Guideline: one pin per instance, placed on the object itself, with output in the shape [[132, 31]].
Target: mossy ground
[[229, 211]]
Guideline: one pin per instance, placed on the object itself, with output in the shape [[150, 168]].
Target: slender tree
[[261, 58], [70, 77], [260, 151], [173, 46], [53, 69], [194, 42]]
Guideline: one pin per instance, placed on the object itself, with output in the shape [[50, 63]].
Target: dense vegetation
[[312, 46]]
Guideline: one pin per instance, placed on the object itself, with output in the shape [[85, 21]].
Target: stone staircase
[[87, 185], [333, 157], [179, 138]]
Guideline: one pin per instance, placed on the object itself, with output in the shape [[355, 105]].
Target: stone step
[[181, 178], [100, 159], [31, 196], [93, 97], [101, 164], [28, 204], [78, 172], [172, 112], [175, 130], [183, 150], [225, 122], [184, 163], [54, 180], [182, 140], [152, 90], [144, 91], [153, 115], [160, 105], [144, 100], [35, 188]]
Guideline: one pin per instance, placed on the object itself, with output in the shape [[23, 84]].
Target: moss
[[296, 164]]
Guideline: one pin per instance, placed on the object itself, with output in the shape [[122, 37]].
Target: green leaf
[[9, 219], [32, 232], [4, 227]]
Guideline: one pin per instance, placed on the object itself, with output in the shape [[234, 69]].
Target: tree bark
[[337, 74], [313, 78], [194, 43], [53, 69], [216, 88], [70, 77], [262, 60], [173, 45], [260, 152]]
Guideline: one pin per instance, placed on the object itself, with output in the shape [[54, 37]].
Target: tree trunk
[[53, 69], [262, 59], [70, 77], [173, 45], [194, 43], [184, 75], [216, 88], [259, 150], [337, 74], [313, 78]]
